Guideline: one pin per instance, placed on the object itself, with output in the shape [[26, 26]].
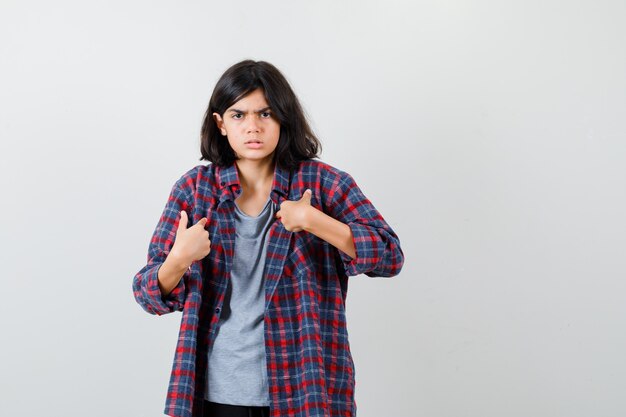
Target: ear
[[219, 122]]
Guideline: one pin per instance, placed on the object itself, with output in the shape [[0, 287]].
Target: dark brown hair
[[296, 142]]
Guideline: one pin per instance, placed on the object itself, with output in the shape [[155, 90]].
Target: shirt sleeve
[[378, 251], [145, 283]]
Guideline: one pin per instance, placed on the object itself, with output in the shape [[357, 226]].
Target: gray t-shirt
[[236, 372]]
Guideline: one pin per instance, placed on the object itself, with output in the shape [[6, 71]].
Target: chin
[[254, 157]]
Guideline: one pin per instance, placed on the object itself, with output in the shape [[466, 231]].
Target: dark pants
[[212, 409]]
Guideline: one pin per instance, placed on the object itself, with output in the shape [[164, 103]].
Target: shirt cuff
[[367, 247], [165, 304]]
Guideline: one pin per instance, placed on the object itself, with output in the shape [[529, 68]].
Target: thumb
[[182, 224], [306, 196]]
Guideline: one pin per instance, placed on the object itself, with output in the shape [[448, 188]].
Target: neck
[[255, 175]]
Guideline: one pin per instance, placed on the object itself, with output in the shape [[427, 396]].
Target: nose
[[253, 125]]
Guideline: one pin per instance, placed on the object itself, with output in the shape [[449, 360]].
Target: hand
[[191, 244], [294, 215]]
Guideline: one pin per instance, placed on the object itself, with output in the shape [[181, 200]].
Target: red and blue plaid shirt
[[309, 365]]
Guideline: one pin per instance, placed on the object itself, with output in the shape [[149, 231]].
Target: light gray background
[[490, 134]]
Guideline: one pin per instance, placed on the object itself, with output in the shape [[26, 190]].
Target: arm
[[377, 247], [332, 231], [159, 287], [170, 273]]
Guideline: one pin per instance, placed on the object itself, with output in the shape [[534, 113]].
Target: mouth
[[253, 141]]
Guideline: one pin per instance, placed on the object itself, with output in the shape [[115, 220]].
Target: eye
[[266, 114], [236, 116]]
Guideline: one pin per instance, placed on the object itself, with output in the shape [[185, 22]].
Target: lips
[[254, 144]]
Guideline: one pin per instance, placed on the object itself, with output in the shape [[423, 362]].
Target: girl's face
[[250, 127]]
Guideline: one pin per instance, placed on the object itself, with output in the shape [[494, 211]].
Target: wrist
[[178, 262], [310, 219]]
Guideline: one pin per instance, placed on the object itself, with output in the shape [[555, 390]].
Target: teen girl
[[255, 249]]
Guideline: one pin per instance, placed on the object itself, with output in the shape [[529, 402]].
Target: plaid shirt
[[309, 365]]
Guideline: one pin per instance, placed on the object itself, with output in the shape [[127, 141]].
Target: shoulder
[[200, 176], [332, 184], [329, 176], [199, 172]]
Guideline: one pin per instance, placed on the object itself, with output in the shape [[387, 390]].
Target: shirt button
[[217, 310], [222, 183]]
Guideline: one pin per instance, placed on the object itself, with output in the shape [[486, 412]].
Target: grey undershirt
[[236, 372]]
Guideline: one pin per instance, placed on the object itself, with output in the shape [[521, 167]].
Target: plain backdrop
[[489, 134]]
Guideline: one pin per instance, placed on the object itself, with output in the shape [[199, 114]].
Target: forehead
[[254, 100]]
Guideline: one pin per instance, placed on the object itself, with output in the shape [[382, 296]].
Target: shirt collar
[[228, 180]]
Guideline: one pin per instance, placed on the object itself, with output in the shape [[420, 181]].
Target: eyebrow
[[258, 111]]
